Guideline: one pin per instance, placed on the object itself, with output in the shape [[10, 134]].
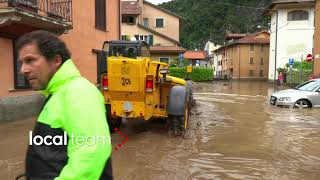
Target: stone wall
[[20, 107]]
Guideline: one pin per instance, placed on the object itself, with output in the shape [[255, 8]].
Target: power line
[[240, 6]]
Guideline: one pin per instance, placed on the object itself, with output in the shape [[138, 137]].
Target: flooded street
[[234, 134]]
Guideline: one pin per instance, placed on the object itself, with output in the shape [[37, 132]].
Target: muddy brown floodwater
[[234, 134]]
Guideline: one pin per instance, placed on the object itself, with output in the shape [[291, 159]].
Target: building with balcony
[[160, 28], [83, 25]]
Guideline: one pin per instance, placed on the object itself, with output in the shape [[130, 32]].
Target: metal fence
[[57, 9]]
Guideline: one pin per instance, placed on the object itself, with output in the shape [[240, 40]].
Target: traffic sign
[[181, 57], [291, 61], [309, 57]]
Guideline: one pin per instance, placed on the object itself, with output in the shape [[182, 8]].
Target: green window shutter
[[150, 42]]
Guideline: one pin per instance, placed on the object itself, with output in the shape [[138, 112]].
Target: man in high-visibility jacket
[[71, 139]]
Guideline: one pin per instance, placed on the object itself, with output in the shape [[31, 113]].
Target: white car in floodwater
[[306, 95]]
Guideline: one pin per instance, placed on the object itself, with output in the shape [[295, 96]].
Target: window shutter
[[150, 40]]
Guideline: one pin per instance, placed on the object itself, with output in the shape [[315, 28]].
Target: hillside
[[210, 19]]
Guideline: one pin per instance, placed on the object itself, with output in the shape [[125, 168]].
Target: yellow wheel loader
[[136, 87]]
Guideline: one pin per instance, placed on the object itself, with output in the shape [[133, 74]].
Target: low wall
[[20, 107]]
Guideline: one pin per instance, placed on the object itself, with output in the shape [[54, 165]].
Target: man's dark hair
[[48, 44]]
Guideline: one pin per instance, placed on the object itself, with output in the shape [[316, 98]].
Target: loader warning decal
[[125, 69], [125, 81]]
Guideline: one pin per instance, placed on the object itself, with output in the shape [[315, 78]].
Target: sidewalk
[[13, 143]]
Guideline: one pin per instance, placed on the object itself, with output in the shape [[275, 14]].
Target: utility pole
[[301, 67]]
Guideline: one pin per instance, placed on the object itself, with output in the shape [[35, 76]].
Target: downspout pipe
[[120, 19], [276, 48], [239, 60]]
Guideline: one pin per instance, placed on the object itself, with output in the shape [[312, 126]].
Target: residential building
[[197, 58], [217, 63], [231, 37], [292, 29], [245, 58], [316, 52], [160, 28], [84, 34], [209, 48]]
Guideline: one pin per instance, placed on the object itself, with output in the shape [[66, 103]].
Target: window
[[261, 61], [147, 38], [261, 48], [251, 73], [165, 60], [251, 47], [298, 15], [159, 23], [129, 20], [146, 22], [143, 38], [100, 14], [261, 73], [251, 60], [308, 86], [20, 82]]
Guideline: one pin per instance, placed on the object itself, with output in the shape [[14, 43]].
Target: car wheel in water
[[302, 103]]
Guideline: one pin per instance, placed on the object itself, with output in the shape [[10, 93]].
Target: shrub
[[197, 74], [296, 79]]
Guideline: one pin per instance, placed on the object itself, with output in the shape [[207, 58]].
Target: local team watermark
[[60, 140]]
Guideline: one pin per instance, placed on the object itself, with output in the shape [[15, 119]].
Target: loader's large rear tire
[[179, 106], [180, 123]]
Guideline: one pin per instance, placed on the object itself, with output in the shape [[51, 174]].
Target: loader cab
[[130, 49]]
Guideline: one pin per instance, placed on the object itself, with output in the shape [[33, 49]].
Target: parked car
[[306, 95]]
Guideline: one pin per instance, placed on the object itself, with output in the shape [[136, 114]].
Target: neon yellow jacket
[[77, 107]]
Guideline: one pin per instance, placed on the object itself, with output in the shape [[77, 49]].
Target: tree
[[209, 19]]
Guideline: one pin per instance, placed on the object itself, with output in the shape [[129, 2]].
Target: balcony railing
[[57, 9]]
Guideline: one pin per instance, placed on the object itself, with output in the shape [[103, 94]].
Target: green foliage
[[296, 75], [177, 72], [210, 20], [176, 63], [296, 79], [306, 66], [197, 74], [283, 70]]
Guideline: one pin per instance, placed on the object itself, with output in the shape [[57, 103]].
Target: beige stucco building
[[160, 28], [245, 58], [84, 34]]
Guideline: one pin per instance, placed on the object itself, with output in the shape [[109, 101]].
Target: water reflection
[[255, 140], [234, 134]]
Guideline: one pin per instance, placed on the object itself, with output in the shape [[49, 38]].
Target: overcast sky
[[158, 1]]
